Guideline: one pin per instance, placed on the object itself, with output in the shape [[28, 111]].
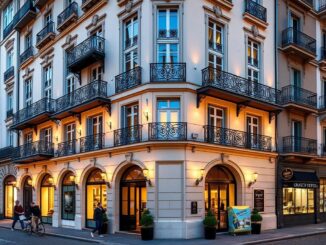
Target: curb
[[64, 236]]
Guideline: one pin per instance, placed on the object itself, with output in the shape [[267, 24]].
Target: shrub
[[146, 219], [210, 219], [255, 216]]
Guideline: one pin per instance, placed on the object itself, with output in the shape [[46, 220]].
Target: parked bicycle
[[29, 229]]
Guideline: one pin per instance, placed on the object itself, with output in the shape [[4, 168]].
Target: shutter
[[123, 116], [89, 126]]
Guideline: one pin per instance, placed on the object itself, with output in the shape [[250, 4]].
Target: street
[[315, 240]]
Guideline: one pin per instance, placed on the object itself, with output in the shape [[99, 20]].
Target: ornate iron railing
[[10, 113], [10, 72], [322, 5], [292, 144], [256, 10], [44, 105], [27, 6], [40, 147], [128, 79], [226, 81], [28, 53], [235, 138], [167, 131], [6, 152], [91, 44], [92, 142], [93, 90], [49, 28], [65, 14], [8, 29], [168, 34], [299, 95], [129, 135], [130, 42], [292, 36], [168, 72], [322, 102], [66, 148]]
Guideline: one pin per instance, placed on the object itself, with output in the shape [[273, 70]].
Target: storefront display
[[47, 199], [298, 201], [9, 196], [68, 197]]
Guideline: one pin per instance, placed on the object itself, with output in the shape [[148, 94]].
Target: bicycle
[[29, 228]]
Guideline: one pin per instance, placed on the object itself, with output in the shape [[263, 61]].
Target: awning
[[302, 180]]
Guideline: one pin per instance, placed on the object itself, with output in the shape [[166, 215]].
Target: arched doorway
[[68, 197], [47, 199], [95, 193], [27, 194], [133, 198], [9, 196], [220, 193]]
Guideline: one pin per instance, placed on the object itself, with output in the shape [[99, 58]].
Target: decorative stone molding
[[96, 21], [10, 43], [28, 73], [70, 41], [129, 157]]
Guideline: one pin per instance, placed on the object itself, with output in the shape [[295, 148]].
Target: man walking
[[18, 211], [98, 217], [36, 214]]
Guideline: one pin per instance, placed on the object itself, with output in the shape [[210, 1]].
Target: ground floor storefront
[[178, 185], [301, 193], [8, 190]]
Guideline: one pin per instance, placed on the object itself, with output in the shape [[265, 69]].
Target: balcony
[[92, 143], [8, 74], [239, 90], [9, 28], [67, 16], [82, 99], [127, 136], [167, 131], [6, 152], [40, 3], [235, 138], [34, 114], [28, 54], [299, 99], [128, 80], [86, 53], [299, 145], [305, 4], [299, 44], [88, 4], [255, 13], [322, 61], [322, 103], [31, 152], [10, 113], [46, 35], [322, 9], [25, 14], [168, 72], [66, 148]]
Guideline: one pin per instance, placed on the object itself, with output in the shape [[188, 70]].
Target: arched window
[[27, 193], [9, 194], [47, 199], [68, 196]]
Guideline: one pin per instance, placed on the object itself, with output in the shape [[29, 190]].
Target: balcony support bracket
[[200, 97], [108, 108], [272, 115], [35, 129], [78, 117], [241, 106]]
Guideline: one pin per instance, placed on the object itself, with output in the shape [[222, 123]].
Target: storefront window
[[68, 197], [322, 195], [47, 199], [298, 201], [9, 196]]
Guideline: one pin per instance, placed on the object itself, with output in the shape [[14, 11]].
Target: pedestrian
[[36, 215], [98, 217], [18, 215]]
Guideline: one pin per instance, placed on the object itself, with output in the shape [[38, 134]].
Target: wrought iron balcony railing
[[168, 72], [290, 36], [88, 4], [24, 14], [292, 144], [44, 105], [70, 12], [92, 142], [83, 51], [44, 34], [293, 94], [91, 91], [9, 73], [128, 79], [127, 136], [66, 148], [28, 53], [10, 113], [29, 150], [6, 152], [8, 29], [167, 131], [235, 138], [229, 82], [256, 10]]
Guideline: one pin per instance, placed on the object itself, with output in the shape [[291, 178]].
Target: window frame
[[47, 80], [133, 48], [251, 66], [28, 92]]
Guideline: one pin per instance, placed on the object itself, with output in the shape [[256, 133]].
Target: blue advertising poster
[[239, 219]]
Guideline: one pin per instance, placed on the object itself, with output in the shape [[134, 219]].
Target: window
[[94, 125], [215, 45], [131, 43], [28, 92], [10, 56], [298, 201], [28, 41], [47, 77], [168, 110], [98, 41], [10, 138], [296, 77], [70, 84], [253, 61], [46, 135], [68, 197], [8, 14], [168, 35], [70, 132], [322, 195], [215, 117], [47, 18], [130, 115], [28, 138], [94, 139], [9, 101], [96, 73], [253, 128]]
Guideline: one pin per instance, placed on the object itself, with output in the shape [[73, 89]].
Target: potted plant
[[256, 220], [210, 223], [147, 225], [105, 225]]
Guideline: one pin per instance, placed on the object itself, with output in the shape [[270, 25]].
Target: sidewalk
[[225, 239]]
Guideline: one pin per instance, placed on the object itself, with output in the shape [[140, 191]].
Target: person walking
[[98, 217], [18, 212], [36, 215]]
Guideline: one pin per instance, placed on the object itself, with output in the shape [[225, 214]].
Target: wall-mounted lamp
[[146, 175], [14, 184], [146, 115], [110, 125], [72, 179], [104, 178], [30, 182], [200, 178], [254, 178], [57, 138]]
